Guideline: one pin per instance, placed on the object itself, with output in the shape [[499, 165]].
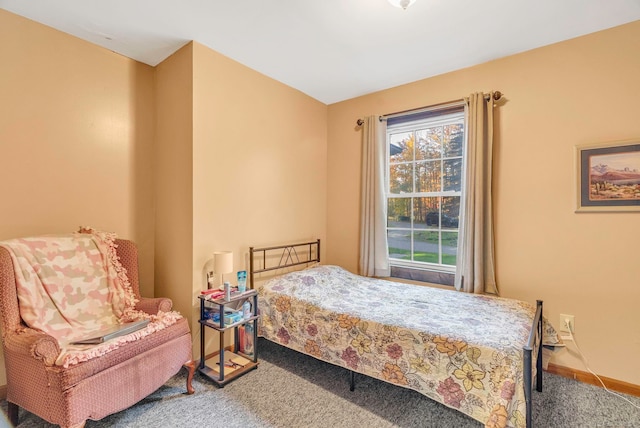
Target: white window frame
[[413, 126]]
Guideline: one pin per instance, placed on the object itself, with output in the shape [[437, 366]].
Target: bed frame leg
[[527, 386], [539, 360], [352, 384], [535, 338]]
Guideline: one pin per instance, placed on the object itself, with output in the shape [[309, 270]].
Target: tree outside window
[[424, 190]]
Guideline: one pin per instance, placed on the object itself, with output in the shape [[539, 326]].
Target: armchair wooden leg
[[191, 367], [13, 410]]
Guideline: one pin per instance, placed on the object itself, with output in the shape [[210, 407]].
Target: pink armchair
[[95, 388]]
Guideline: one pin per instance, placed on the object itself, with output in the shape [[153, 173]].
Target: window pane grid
[[423, 191]]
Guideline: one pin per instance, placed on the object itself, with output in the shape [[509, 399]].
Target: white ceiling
[[331, 50]]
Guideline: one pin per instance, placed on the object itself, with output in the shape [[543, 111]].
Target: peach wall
[[173, 178], [76, 136], [259, 162], [240, 161], [579, 91]]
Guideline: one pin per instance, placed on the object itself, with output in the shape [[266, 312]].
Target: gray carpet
[[290, 389]]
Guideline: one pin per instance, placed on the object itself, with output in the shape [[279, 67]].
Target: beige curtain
[[475, 271], [374, 255]]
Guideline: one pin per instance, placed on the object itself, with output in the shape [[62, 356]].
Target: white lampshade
[[222, 262], [402, 3]]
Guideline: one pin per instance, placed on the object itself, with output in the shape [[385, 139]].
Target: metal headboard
[[290, 255]]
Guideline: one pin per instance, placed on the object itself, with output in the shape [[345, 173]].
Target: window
[[424, 188]]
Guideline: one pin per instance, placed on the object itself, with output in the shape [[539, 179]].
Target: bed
[[473, 353]]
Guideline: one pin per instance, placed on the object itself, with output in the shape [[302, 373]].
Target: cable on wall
[[586, 364]]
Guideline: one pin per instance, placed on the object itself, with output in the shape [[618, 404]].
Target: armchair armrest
[[33, 343], [152, 305]]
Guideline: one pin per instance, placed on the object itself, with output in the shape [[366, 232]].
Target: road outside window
[[425, 170]]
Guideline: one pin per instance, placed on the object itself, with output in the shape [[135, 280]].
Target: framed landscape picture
[[608, 176]]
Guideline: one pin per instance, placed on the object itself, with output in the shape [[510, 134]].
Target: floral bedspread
[[462, 350]]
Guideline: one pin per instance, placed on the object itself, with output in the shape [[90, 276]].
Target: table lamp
[[222, 263]]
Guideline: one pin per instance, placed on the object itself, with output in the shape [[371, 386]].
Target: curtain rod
[[496, 96]]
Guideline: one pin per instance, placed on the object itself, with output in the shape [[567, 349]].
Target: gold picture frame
[[608, 176]]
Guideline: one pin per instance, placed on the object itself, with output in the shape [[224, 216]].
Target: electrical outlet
[[563, 326]]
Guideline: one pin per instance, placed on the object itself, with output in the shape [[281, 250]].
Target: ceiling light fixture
[[404, 4]]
